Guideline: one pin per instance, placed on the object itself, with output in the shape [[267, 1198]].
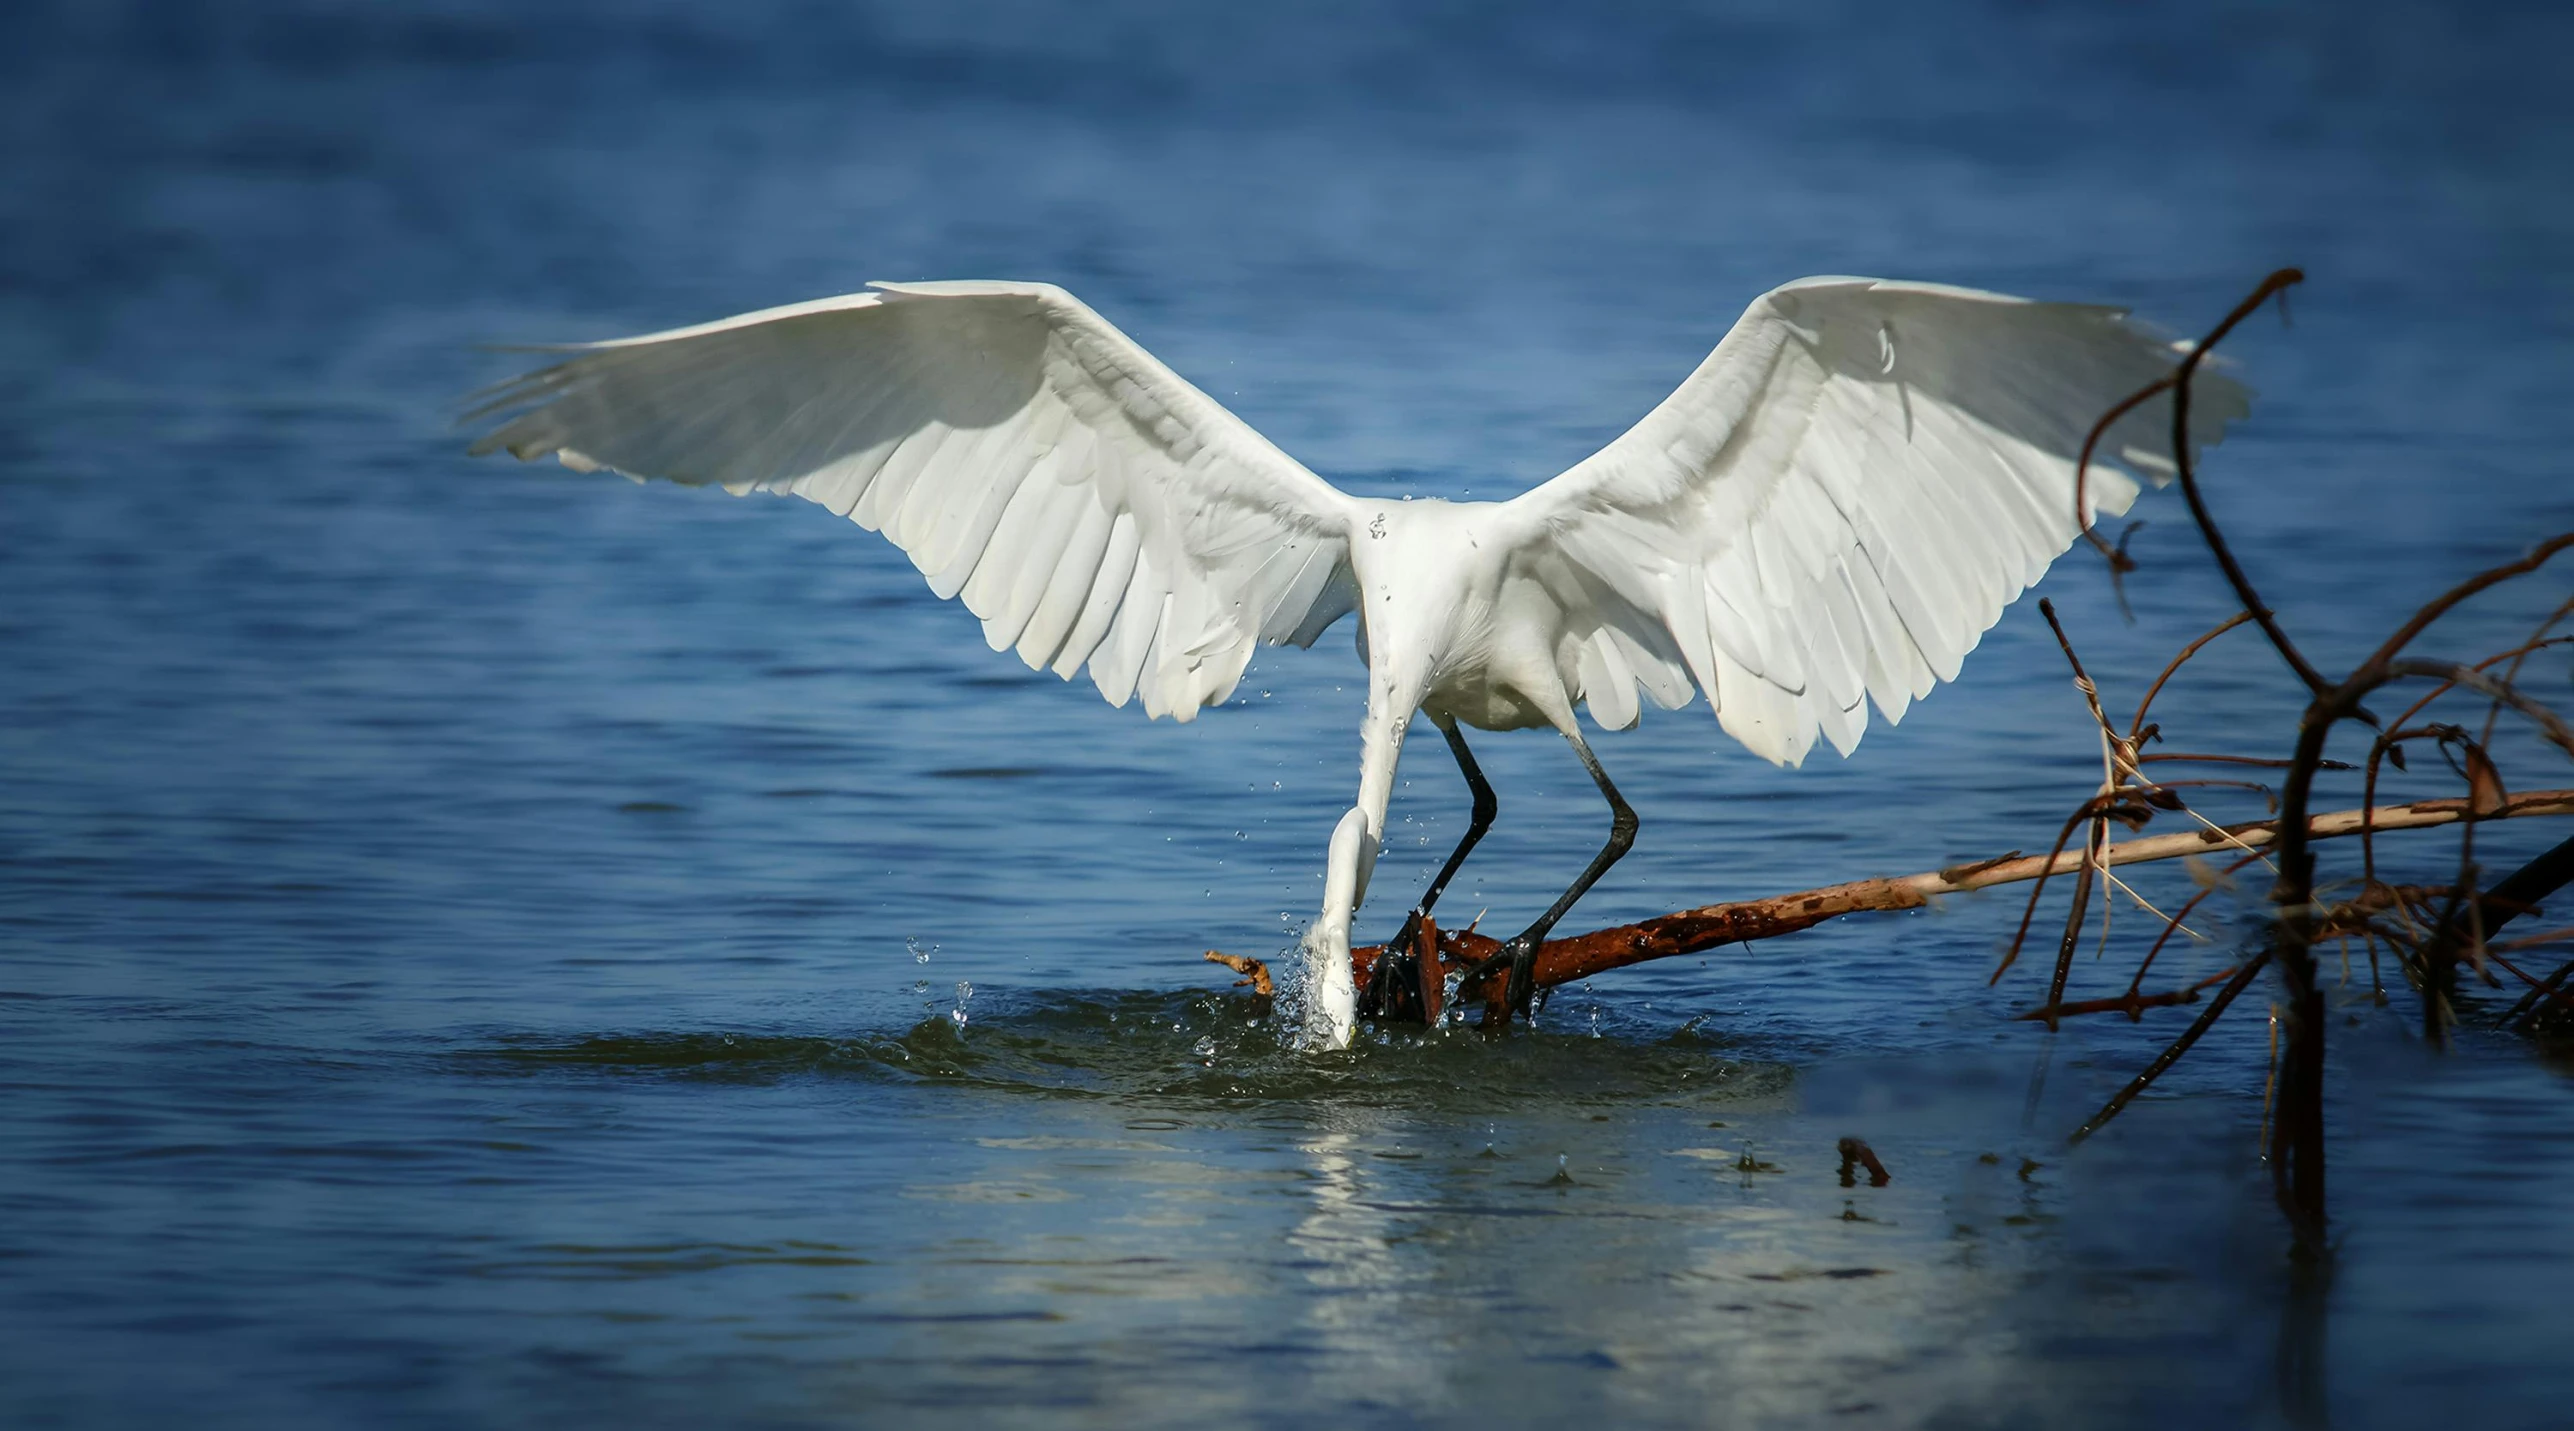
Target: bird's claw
[[1409, 934], [1518, 988], [1392, 988], [1522, 987]]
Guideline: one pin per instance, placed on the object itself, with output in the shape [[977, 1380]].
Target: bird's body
[[1447, 630], [1483, 643], [1829, 511]]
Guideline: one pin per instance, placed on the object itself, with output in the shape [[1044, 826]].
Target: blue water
[[492, 946]]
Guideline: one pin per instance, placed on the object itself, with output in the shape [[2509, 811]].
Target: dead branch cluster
[[2432, 931]]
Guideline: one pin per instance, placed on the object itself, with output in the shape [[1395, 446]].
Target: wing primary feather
[[1119, 662], [1107, 589], [964, 539], [883, 498], [1019, 552], [1034, 540]]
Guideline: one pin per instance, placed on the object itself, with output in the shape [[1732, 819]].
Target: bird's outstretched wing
[[1840, 501], [1084, 500]]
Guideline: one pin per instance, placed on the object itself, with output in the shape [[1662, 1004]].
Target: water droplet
[[920, 952]]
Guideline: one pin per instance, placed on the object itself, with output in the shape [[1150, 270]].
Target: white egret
[[1831, 510]]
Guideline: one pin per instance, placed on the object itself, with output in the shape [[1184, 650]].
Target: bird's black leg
[[1478, 820], [1521, 952], [1394, 990]]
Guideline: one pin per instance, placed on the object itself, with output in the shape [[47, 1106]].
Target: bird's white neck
[[1331, 989]]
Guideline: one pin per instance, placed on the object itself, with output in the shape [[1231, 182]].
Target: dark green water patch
[[1189, 1050]]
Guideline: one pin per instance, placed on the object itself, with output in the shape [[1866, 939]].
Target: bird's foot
[[1394, 988], [1518, 990]]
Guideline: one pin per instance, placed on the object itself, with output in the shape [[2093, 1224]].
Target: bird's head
[[1331, 990]]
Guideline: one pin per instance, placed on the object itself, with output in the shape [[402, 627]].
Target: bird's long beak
[[1331, 993]]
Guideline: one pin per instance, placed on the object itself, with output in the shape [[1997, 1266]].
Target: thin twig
[[2264, 761], [2456, 673], [2172, 1053], [2440, 605], [2184, 470], [2173, 925], [2131, 1003], [2120, 563], [2136, 728]]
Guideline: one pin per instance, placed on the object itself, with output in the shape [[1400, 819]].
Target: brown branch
[[2131, 1003], [1856, 1155], [2297, 1142], [2454, 674], [2521, 892], [2532, 941], [2439, 605], [2116, 755], [2171, 1054], [2538, 641], [2525, 1013], [2120, 562], [2264, 761], [2537, 990], [2050, 865], [2184, 470], [2136, 729], [2172, 925], [1691, 931], [2399, 731], [1253, 972]]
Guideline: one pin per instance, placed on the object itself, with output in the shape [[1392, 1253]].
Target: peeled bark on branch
[[1689, 931]]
